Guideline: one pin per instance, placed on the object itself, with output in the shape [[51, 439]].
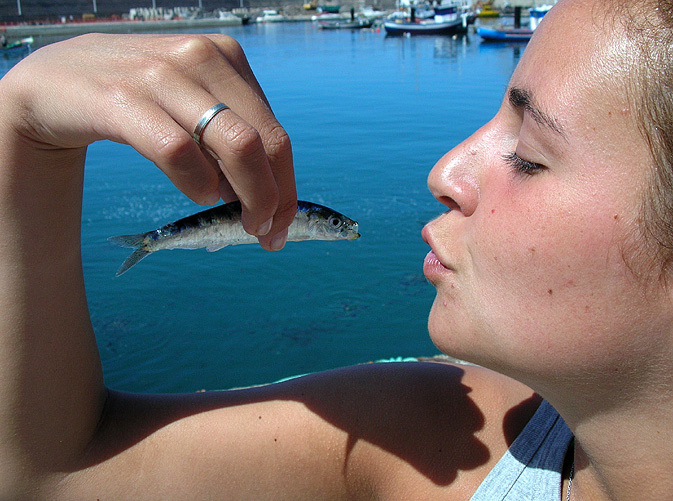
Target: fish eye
[[334, 222]]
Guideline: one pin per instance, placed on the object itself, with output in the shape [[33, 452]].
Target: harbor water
[[368, 115]]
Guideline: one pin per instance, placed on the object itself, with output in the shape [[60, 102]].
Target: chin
[[454, 335], [444, 333]]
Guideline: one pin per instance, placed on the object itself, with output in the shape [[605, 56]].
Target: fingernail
[[212, 198], [279, 240], [265, 228]]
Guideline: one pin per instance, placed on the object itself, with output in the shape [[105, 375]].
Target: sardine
[[221, 226]]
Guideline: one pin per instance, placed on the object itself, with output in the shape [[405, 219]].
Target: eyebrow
[[522, 99]]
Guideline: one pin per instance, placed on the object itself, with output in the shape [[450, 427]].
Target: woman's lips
[[433, 266]]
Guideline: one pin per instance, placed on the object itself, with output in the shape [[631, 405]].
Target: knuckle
[[194, 50], [243, 140], [277, 143], [177, 156], [232, 49], [149, 76], [174, 147], [155, 72]]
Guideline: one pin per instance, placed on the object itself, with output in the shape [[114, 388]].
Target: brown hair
[[649, 24]]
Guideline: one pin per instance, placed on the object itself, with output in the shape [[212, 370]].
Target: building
[[31, 10]]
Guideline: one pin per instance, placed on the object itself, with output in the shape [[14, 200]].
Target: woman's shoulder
[[432, 427], [409, 430]]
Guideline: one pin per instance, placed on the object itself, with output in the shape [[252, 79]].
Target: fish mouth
[[354, 231]]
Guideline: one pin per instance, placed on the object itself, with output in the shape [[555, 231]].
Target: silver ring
[[205, 120]]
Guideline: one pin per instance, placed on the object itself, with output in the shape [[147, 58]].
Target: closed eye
[[521, 166]]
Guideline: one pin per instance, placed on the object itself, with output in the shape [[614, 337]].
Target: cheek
[[545, 273]]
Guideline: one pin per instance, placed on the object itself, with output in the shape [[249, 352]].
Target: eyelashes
[[521, 166]]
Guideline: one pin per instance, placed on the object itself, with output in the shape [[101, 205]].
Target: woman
[[551, 270]]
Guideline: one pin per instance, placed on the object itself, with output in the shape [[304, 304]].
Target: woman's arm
[[146, 91]]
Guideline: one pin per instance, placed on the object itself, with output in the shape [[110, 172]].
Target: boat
[[422, 27], [327, 17], [270, 16], [447, 18], [370, 13], [503, 34], [537, 13], [17, 49], [355, 22], [230, 17], [330, 9], [346, 24], [515, 33], [488, 11]]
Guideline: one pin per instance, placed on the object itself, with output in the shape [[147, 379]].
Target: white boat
[[537, 13], [327, 16], [422, 27], [228, 16], [446, 18], [270, 16], [370, 13]]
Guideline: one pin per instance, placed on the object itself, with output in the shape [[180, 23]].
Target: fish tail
[[133, 241]]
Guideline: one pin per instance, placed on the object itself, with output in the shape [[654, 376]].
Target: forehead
[[577, 66], [576, 55]]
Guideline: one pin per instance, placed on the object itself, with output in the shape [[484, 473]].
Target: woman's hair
[[649, 25]]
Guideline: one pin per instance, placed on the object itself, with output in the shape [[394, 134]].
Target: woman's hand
[[150, 92]]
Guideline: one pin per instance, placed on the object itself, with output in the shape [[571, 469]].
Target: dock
[[122, 26]]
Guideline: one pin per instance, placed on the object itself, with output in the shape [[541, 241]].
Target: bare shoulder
[[394, 431], [433, 429]]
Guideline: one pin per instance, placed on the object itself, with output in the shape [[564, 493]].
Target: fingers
[[253, 160], [242, 157], [253, 150], [275, 141]]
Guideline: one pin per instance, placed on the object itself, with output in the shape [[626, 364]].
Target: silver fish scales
[[221, 226]]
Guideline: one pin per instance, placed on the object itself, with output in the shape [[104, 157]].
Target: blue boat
[[514, 34], [19, 48], [505, 34]]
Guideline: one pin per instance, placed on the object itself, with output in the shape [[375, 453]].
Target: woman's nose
[[454, 178]]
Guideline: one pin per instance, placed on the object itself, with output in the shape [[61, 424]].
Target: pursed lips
[[427, 234]]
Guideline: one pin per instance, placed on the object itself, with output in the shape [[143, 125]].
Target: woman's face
[[539, 265]]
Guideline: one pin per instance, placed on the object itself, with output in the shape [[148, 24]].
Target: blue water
[[369, 116]]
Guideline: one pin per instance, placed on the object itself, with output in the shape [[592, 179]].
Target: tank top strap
[[532, 467]]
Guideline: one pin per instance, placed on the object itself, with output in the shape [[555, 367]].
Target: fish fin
[[140, 252], [132, 260], [215, 248], [133, 241]]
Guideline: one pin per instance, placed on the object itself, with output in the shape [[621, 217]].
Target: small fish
[[221, 226]]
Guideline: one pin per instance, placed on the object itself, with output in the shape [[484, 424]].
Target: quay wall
[[72, 29], [44, 10]]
